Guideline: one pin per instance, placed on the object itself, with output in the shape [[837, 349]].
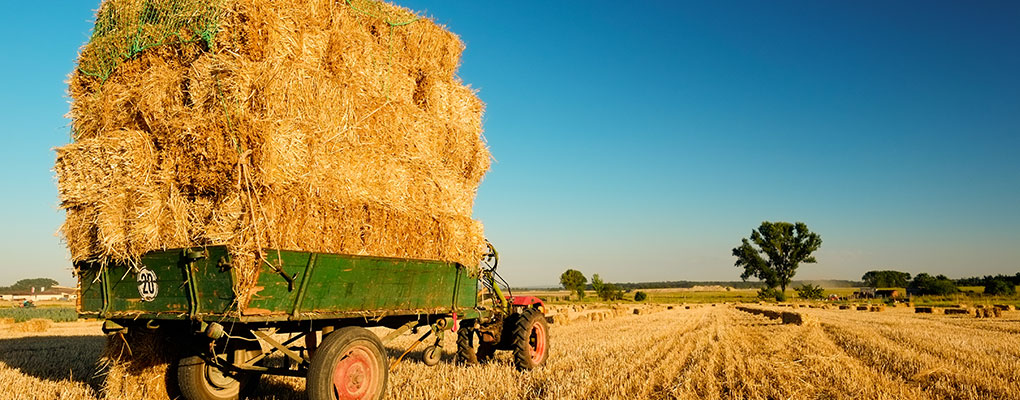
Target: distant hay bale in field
[[669, 307], [863, 308], [844, 307], [958, 311], [34, 325], [877, 308], [1005, 307], [989, 312], [797, 318], [306, 125], [928, 310], [141, 368], [687, 307], [637, 311]]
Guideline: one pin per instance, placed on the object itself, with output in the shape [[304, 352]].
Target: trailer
[[323, 303]]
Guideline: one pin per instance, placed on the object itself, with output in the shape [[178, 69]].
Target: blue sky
[[642, 140]]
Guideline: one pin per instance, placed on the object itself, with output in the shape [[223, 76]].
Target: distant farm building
[[42, 294]]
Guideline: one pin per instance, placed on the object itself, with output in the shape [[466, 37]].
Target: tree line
[[26, 285], [925, 283], [575, 282]]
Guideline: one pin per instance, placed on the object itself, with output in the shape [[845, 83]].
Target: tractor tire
[[465, 343], [350, 363], [199, 380], [530, 340]]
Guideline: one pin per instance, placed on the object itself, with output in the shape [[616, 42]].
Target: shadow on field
[[54, 358]]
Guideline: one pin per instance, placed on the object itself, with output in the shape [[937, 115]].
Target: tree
[[927, 284], [574, 281], [886, 279], [26, 285], [810, 292], [640, 296], [597, 284], [781, 248], [605, 291], [1000, 287]]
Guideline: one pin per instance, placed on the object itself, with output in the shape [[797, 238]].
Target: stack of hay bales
[[310, 125]]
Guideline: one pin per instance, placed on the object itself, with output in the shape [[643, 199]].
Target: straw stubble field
[[702, 352]]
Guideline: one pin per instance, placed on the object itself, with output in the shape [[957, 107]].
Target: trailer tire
[[530, 339], [350, 363], [432, 355], [199, 380]]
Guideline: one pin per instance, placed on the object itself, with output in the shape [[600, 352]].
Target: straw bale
[[138, 365], [306, 125], [954, 310], [1005, 307], [34, 325], [790, 317]]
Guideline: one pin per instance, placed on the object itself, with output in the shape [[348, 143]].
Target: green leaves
[[774, 252], [574, 281]]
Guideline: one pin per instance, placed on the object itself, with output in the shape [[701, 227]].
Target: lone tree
[[574, 281], [774, 252]]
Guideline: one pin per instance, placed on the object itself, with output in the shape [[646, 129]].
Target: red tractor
[[516, 323]]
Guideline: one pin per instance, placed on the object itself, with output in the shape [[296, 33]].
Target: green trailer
[[322, 303]]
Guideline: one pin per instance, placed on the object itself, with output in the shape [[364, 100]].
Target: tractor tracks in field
[[934, 359]]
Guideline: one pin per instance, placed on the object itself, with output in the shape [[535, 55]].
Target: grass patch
[[55, 314]]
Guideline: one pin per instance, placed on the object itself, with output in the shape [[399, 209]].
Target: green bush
[[640, 296], [769, 294], [810, 292], [56, 314], [936, 285], [1000, 287]]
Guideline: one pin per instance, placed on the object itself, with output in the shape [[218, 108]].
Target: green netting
[[125, 28]]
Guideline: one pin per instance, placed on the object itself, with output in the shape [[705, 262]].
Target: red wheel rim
[[357, 374], [537, 341]]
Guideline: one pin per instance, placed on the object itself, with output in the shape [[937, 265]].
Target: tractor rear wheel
[[466, 343], [349, 364], [530, 339]]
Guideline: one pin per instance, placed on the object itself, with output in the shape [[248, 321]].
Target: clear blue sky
[[642, 140]]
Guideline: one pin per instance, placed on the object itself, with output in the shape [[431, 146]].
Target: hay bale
[[877, 308], [863, 308], [303, 125], [1005, 307], [34, 325], [958, 311], [138, 365], [796, 318], [928, 310]]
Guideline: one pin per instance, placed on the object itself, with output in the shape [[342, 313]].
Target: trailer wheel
[[350, 363], [200, 380], [432, 355], [530, 340]]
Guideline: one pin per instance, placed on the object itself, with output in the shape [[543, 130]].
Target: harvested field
[[701, 352]]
